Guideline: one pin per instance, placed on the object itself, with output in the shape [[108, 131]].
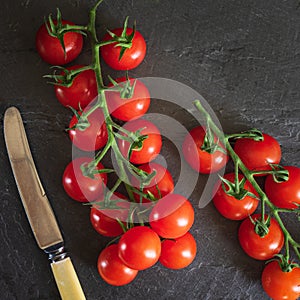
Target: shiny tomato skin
[[257, 155], [82, 91], [104, 220], [139, 247], [161, 184], [50, 49], [260, 248], [284, 194], [80, 187], [178, 253], [151, 145], [131, 108], [112, 269], [230, 207], [172, 216], [200, 160], [93, 137], [280, 285], [131, 58]]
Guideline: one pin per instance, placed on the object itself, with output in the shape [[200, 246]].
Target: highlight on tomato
[[203, 152]]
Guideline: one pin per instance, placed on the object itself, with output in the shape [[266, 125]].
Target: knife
[[37, 207]]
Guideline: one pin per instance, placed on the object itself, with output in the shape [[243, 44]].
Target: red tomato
[[104, 220], [257, 155], [172, 216], [230, 207], [198, 159], [279, 284], [112, 269], [93, 137], [51, 50], [178, 253], [80, 187], [82, 91], [261, 248], [160, 185], [132, 57], [151, 146], [131, 108], [284, 194], [139, 248]]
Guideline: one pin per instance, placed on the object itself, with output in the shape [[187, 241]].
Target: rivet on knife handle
[[37, 207]]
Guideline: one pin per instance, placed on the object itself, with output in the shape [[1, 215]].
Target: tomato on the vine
[[139, 247], [260, 247], [50, 48], [160, 185], [106, 220], [148, 149], [172, 216], [132, 56], [112, 269], [178, 253], [229, 206], [130, 108], [93, 137], [82, 91], [285, 194], [83, 188], [258, 155], [279, 284], [201, 160]]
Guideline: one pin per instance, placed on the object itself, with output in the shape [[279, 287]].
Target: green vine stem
[[249, 175]]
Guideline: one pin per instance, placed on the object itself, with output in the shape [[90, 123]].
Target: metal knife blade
[[38, 210]]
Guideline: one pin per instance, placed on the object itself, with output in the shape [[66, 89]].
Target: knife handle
[[66, 279]]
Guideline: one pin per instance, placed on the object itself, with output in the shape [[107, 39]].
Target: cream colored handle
[[67, 281]]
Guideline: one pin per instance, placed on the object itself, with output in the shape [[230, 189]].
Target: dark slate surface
[[242, 56]]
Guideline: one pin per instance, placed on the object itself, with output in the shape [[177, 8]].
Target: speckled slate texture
[[242, 56]]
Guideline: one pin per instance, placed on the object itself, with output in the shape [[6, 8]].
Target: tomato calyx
[[284, 262], [280, 174], [261, 227], [236, 189], [126, 89], [210, 144], [124, 41], [253, 133], [57, 29], [90, 170]]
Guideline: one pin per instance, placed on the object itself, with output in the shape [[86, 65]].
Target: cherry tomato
[[93, 137], [229, 206], [51, 50], [160, 185], [129, 108], [257, 155], [172, 216], [178, 253], [82, 91], [132, 56], [112, 269], [151, 146], [281, 285], [139, 248], [200, 160], [82, 188], [105, 220], [261, 248], [285, 194]]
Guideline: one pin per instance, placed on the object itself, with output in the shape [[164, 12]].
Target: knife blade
[[37, 207]]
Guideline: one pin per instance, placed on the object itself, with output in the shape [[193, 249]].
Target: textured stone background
[[242, 56]]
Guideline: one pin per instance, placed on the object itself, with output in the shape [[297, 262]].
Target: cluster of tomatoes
[[161, 231]]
